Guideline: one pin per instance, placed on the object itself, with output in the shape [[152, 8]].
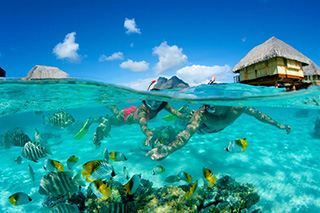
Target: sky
[[131, 42]]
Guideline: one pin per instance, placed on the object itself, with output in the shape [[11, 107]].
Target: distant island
[[173, 83]]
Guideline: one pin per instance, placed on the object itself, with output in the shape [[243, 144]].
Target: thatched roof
[[45, 72], [270, 49], [311, 69]]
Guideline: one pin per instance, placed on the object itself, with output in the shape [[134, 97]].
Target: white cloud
[[169, 57], [140, 84], [244, 39], [137, 66], [68, 49], [130, 25], [199, 74], [114, 56]]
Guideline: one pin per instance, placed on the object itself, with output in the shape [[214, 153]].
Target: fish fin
[[47, 149], [78, 179], [82, 131], [170, 117], [127, 188]]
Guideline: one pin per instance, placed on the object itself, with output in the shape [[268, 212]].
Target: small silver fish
[[19, 198], [158, 169], [60, 119], [34, 151], [106, 154], [125, 172], [18, 160], [31, 172], [172, 179]]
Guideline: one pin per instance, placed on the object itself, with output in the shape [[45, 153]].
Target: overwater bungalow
[[2, 72], [45, 72], [273, 63], [312, 74]]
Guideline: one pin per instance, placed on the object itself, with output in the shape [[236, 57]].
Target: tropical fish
[[132, 185], [192, 190], [185, 176], [37, 137], [53, 165], [19, 198], [123, 207], [126, 173], [209, 177], [20, 139], [31, 172], [97, 169], [60, 183], [35, 151], [59, 119], [237, 146], [18, 160], [72, 160], [101, 189], [158, 169], [98, 137], [172, 179], [117, 156], [64, 208], [106, 154]]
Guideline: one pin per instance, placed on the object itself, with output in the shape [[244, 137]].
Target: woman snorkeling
[[131, 115]]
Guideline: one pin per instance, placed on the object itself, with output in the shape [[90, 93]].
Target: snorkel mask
[[152, 104]]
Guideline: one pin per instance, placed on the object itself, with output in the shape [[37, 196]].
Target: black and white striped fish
[[60, 183], [20, 139], [60, 119], [34, 151], [117, 208], [65, 208]]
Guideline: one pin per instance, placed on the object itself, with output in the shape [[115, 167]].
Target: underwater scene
[[86, 146]]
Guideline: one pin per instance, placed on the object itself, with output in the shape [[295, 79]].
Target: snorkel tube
[[211, 109]]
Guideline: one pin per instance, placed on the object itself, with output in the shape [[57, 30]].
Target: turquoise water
[[284, 168]]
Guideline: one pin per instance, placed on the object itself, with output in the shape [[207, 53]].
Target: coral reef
[[226, 195]]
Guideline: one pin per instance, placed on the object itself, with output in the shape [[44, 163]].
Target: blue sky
[[149, 38]]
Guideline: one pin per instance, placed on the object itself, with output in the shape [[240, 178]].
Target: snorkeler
[[131, 115], [210, 119]]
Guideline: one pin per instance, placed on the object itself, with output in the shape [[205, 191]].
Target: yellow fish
[[158, 169], [132, 185], [237, 146], [97, 169], [117, 156], [192, 190], [19, 198], [209, 176], [185, 176], [72, 160], [53, 165], [101, 189]]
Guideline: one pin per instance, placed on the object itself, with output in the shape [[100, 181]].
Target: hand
[[148, 141], [286, 127], [160, 152]]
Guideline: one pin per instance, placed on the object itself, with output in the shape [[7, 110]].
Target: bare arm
[[184, 136], [265, 118], [175, 112], [161, 151], [142, 115]]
